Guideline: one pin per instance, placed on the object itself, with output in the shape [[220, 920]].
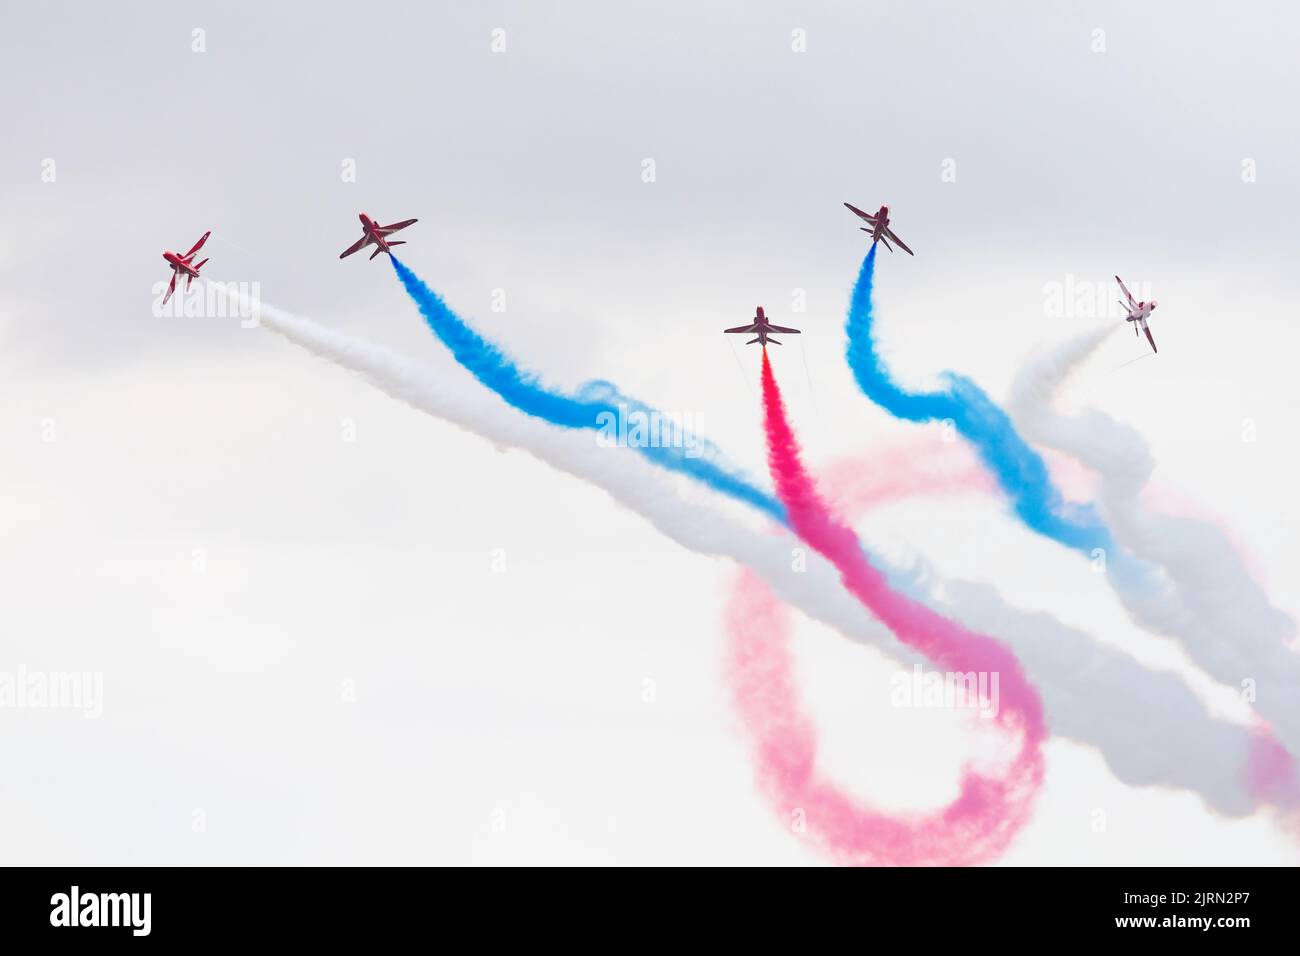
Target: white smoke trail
[[1149, 726], [1202, 595]]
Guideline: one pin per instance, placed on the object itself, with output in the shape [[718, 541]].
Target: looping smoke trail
[[1206, 596], [595, 400], [1153, 731], [989, 810], [1020, 470], [1245, 767]]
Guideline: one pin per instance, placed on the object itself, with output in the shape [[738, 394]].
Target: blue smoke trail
[[594, 403], [1019, 469]]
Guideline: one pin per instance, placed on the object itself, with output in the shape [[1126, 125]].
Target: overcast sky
[[181, 511]]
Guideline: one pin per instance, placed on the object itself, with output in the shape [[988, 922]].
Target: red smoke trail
[[760, 669], [989, 810]]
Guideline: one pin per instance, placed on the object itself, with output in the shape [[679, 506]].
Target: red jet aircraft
[[183, 265], [880, 231], [373, 232], [763, 328], [1138, 312]]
